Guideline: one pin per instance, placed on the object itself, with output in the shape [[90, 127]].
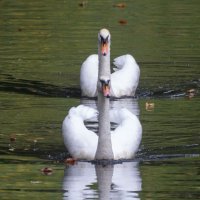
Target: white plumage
[[82, 143], [124, 79], [89, 76]]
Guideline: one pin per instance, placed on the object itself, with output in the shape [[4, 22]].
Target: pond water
[[42, 46]]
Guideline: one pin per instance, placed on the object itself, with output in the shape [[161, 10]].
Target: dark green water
[[42, 45]]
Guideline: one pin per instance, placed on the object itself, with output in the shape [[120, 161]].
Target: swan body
[[124, 79], [89, 76], [127, 136], [82, 143]]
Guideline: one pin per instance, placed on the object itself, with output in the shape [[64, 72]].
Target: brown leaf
[[47, 171], [83, 3], [149, 106], [120, 5], [70, 161], [191, 93], [122, 21], [12, 138]]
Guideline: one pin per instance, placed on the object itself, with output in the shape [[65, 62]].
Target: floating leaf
[[149, 106], [191, 93], [12, 138], [70, 161], [120, 5], [47, 171], [83, 3], [122, 21]]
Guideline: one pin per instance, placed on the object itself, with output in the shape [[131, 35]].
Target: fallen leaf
[[120, 5], [122, 21], [47, 171], [149, 106], [191, 93], [12, 138], [70, 161], [82, 3]]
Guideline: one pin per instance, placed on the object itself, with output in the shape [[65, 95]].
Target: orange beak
[[104, 49], [106, 90]]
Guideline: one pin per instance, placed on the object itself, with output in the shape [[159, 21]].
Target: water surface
[[42, 45]]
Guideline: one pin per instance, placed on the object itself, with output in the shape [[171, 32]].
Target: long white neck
[[104, 148]]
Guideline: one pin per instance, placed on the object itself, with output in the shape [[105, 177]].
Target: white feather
[[89, 75], [124, 79], [82, 143]]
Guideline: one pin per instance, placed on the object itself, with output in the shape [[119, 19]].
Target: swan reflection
[[85, 180], [130, 103]]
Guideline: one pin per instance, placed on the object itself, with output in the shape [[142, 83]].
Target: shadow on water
[[34, 87], [23, 86]]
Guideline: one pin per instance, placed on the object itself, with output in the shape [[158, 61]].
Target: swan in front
[[124, 79], [82, 143]]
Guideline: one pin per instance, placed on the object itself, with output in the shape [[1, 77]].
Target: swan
[[82, 143], [89, 76], [124, 79]]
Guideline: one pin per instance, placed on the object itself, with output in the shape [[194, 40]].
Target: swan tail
[[120, 61], [84, 112]]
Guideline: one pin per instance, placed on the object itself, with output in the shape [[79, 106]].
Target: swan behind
[[124, 79], [89, 75]]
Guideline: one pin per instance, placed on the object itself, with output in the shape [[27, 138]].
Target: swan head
[[104, 41], [104, 86]]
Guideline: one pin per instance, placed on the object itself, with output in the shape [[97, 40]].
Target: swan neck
[[104, 64], [104, 148]]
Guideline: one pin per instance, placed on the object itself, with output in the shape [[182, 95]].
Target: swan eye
[[104, 82], [104, 40]]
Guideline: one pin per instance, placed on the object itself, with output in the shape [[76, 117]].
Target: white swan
[[85, 144], [89, 76], [79, 141], [82, 143], [124, 79]]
